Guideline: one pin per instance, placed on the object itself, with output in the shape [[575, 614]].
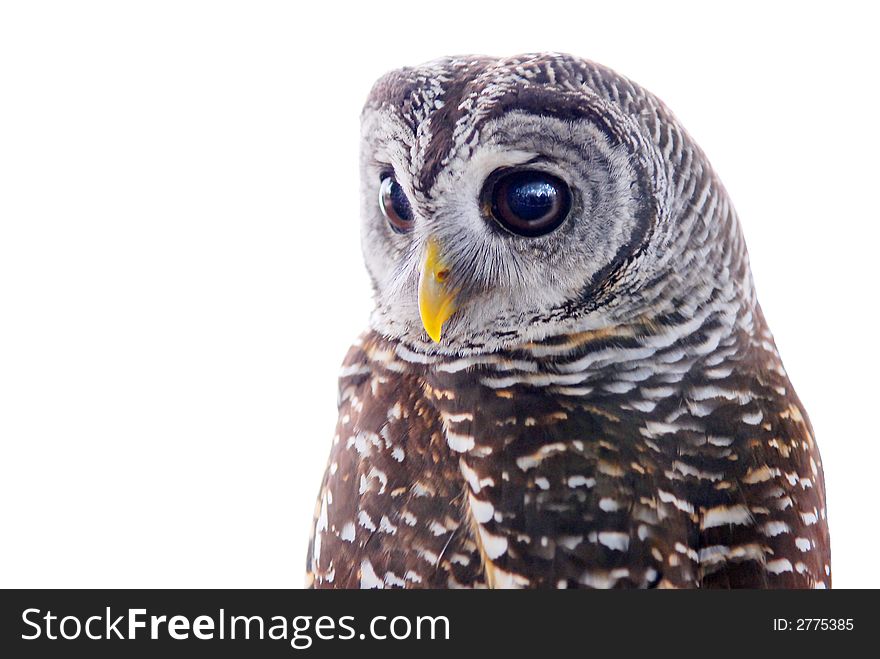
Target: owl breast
[[492, 472]]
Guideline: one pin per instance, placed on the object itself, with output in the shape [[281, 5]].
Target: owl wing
[[389, 512], [769, 528]]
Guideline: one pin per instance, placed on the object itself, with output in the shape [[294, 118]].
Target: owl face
[[496, 208]]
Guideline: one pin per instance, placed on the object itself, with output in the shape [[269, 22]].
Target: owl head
[[512, 200]]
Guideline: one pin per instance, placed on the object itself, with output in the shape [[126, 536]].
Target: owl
[[567, 381]]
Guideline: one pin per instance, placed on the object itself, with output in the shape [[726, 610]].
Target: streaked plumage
[[606, 406]]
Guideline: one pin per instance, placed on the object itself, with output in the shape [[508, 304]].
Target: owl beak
[[436, 300]]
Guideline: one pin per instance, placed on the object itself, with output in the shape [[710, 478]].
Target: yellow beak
[[436, 301]]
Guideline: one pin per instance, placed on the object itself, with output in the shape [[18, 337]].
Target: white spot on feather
[[437, 528], [614, 540], [779, 566], [493, 545], [721, 515], [803, 544], [532, 460], [578, 481], [809, 518], [508, 580], [385, 526], [348, 532], [459, 442], [481, 510], [667, 497], [392, 579], [365, 521], [369, 579], [772, 529]]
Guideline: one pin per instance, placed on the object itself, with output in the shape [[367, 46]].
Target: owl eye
[[394, 205], [527, 202]]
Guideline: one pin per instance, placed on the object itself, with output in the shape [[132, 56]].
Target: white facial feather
[[510, 279]]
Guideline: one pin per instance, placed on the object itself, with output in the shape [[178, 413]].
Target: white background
[[180, 270]]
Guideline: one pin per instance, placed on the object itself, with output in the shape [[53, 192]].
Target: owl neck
[[720, 330]]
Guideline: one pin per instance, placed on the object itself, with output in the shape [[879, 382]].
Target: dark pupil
[[400, 203], [531, 197], [527, 203]]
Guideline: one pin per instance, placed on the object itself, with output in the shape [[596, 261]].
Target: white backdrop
[[180, 271]]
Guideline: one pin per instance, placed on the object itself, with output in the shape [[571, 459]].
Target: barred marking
[[493, 545], [724, 515], [459, 442], [531, 461]]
